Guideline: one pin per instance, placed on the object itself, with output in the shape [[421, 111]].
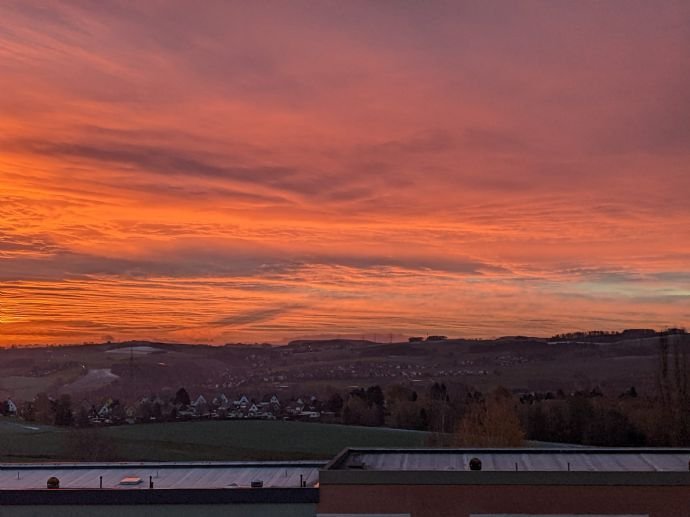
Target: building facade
[[507, 483]]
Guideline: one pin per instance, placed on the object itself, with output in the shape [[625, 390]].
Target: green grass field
[[26, 441], [204, 441]]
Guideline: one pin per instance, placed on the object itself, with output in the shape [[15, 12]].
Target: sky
[[224, 172]]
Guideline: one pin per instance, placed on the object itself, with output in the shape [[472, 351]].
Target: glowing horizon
[[245, 172]]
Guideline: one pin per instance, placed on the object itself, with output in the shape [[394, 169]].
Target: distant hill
[[613, 361]]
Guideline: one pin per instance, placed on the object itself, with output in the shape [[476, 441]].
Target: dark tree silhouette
[[182, 397]]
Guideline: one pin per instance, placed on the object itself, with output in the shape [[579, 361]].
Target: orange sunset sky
[[248, 171]]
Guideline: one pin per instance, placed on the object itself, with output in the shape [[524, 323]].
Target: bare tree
[[672, 389]]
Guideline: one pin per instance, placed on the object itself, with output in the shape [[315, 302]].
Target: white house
[[200, 401], [105, 410], [11, 407]]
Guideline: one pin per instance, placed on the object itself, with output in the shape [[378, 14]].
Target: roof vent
[[53, 483], [475, 464], [130, 480], [257, 484]]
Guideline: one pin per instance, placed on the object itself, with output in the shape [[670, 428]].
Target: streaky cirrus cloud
[[238, 171]]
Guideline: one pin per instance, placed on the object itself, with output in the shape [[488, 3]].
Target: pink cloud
[[345, 161]]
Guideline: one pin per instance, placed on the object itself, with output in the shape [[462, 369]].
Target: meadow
[[199, 441]]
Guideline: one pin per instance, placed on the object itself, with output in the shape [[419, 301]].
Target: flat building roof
[[136, 476], [510, 460], [582, 466]]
